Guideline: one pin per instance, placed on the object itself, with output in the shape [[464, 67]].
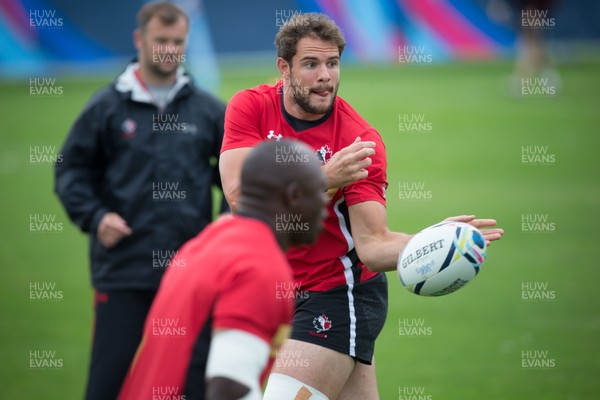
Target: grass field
[[469, 345]]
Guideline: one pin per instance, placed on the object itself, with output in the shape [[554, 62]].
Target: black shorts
[[346, 319]]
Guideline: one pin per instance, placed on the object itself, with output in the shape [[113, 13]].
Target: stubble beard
[[301, 96]]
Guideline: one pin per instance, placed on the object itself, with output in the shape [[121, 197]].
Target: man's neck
[[246, 209], [153, 80]]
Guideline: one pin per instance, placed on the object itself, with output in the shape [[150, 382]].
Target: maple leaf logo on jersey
[[324, 154], [272, 135], [322, 323]]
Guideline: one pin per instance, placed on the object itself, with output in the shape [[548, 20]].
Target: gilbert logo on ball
[[441, 259]]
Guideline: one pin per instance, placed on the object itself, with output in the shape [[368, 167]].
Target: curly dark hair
[[311, 25]]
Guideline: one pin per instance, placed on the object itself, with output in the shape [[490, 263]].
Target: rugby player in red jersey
[[344, 290], [225, 302]]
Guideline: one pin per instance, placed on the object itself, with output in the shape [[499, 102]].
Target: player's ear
[[293, 196], [283, 67], [137, 38]]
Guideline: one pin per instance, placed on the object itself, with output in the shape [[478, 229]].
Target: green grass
[[471, 163]]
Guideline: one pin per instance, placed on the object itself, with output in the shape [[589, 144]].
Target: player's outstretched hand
[[489, 233], [349, 164], [112, 229]]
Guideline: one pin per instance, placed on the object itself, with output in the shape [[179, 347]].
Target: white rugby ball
[[441, 259]]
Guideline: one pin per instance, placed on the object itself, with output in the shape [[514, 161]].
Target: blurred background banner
[[65, 36]]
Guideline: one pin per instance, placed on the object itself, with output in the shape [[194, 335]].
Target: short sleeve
[[242, 121], [373, 187]]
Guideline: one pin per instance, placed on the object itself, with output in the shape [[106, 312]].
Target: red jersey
[[256, 115], [233, 275]]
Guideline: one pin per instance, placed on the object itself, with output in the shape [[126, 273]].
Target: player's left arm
[[225, 388], [379, 248], [235, 361]]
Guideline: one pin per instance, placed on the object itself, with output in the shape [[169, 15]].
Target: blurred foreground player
[[234, 293], [343, 305], [139, 184]]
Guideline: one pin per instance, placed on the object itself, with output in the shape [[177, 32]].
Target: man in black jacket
[[137, 171]]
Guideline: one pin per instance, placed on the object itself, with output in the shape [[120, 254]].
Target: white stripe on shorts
[[351, 311], [349, 276]]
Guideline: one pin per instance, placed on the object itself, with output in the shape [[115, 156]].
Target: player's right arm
[[230, 167], [242, 132]]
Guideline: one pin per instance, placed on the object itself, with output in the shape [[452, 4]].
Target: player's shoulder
[[234, 248], [263, 89], [238, 237], [227, 242], [256, 95], [349, 114], [353, 121], [253, 245]]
